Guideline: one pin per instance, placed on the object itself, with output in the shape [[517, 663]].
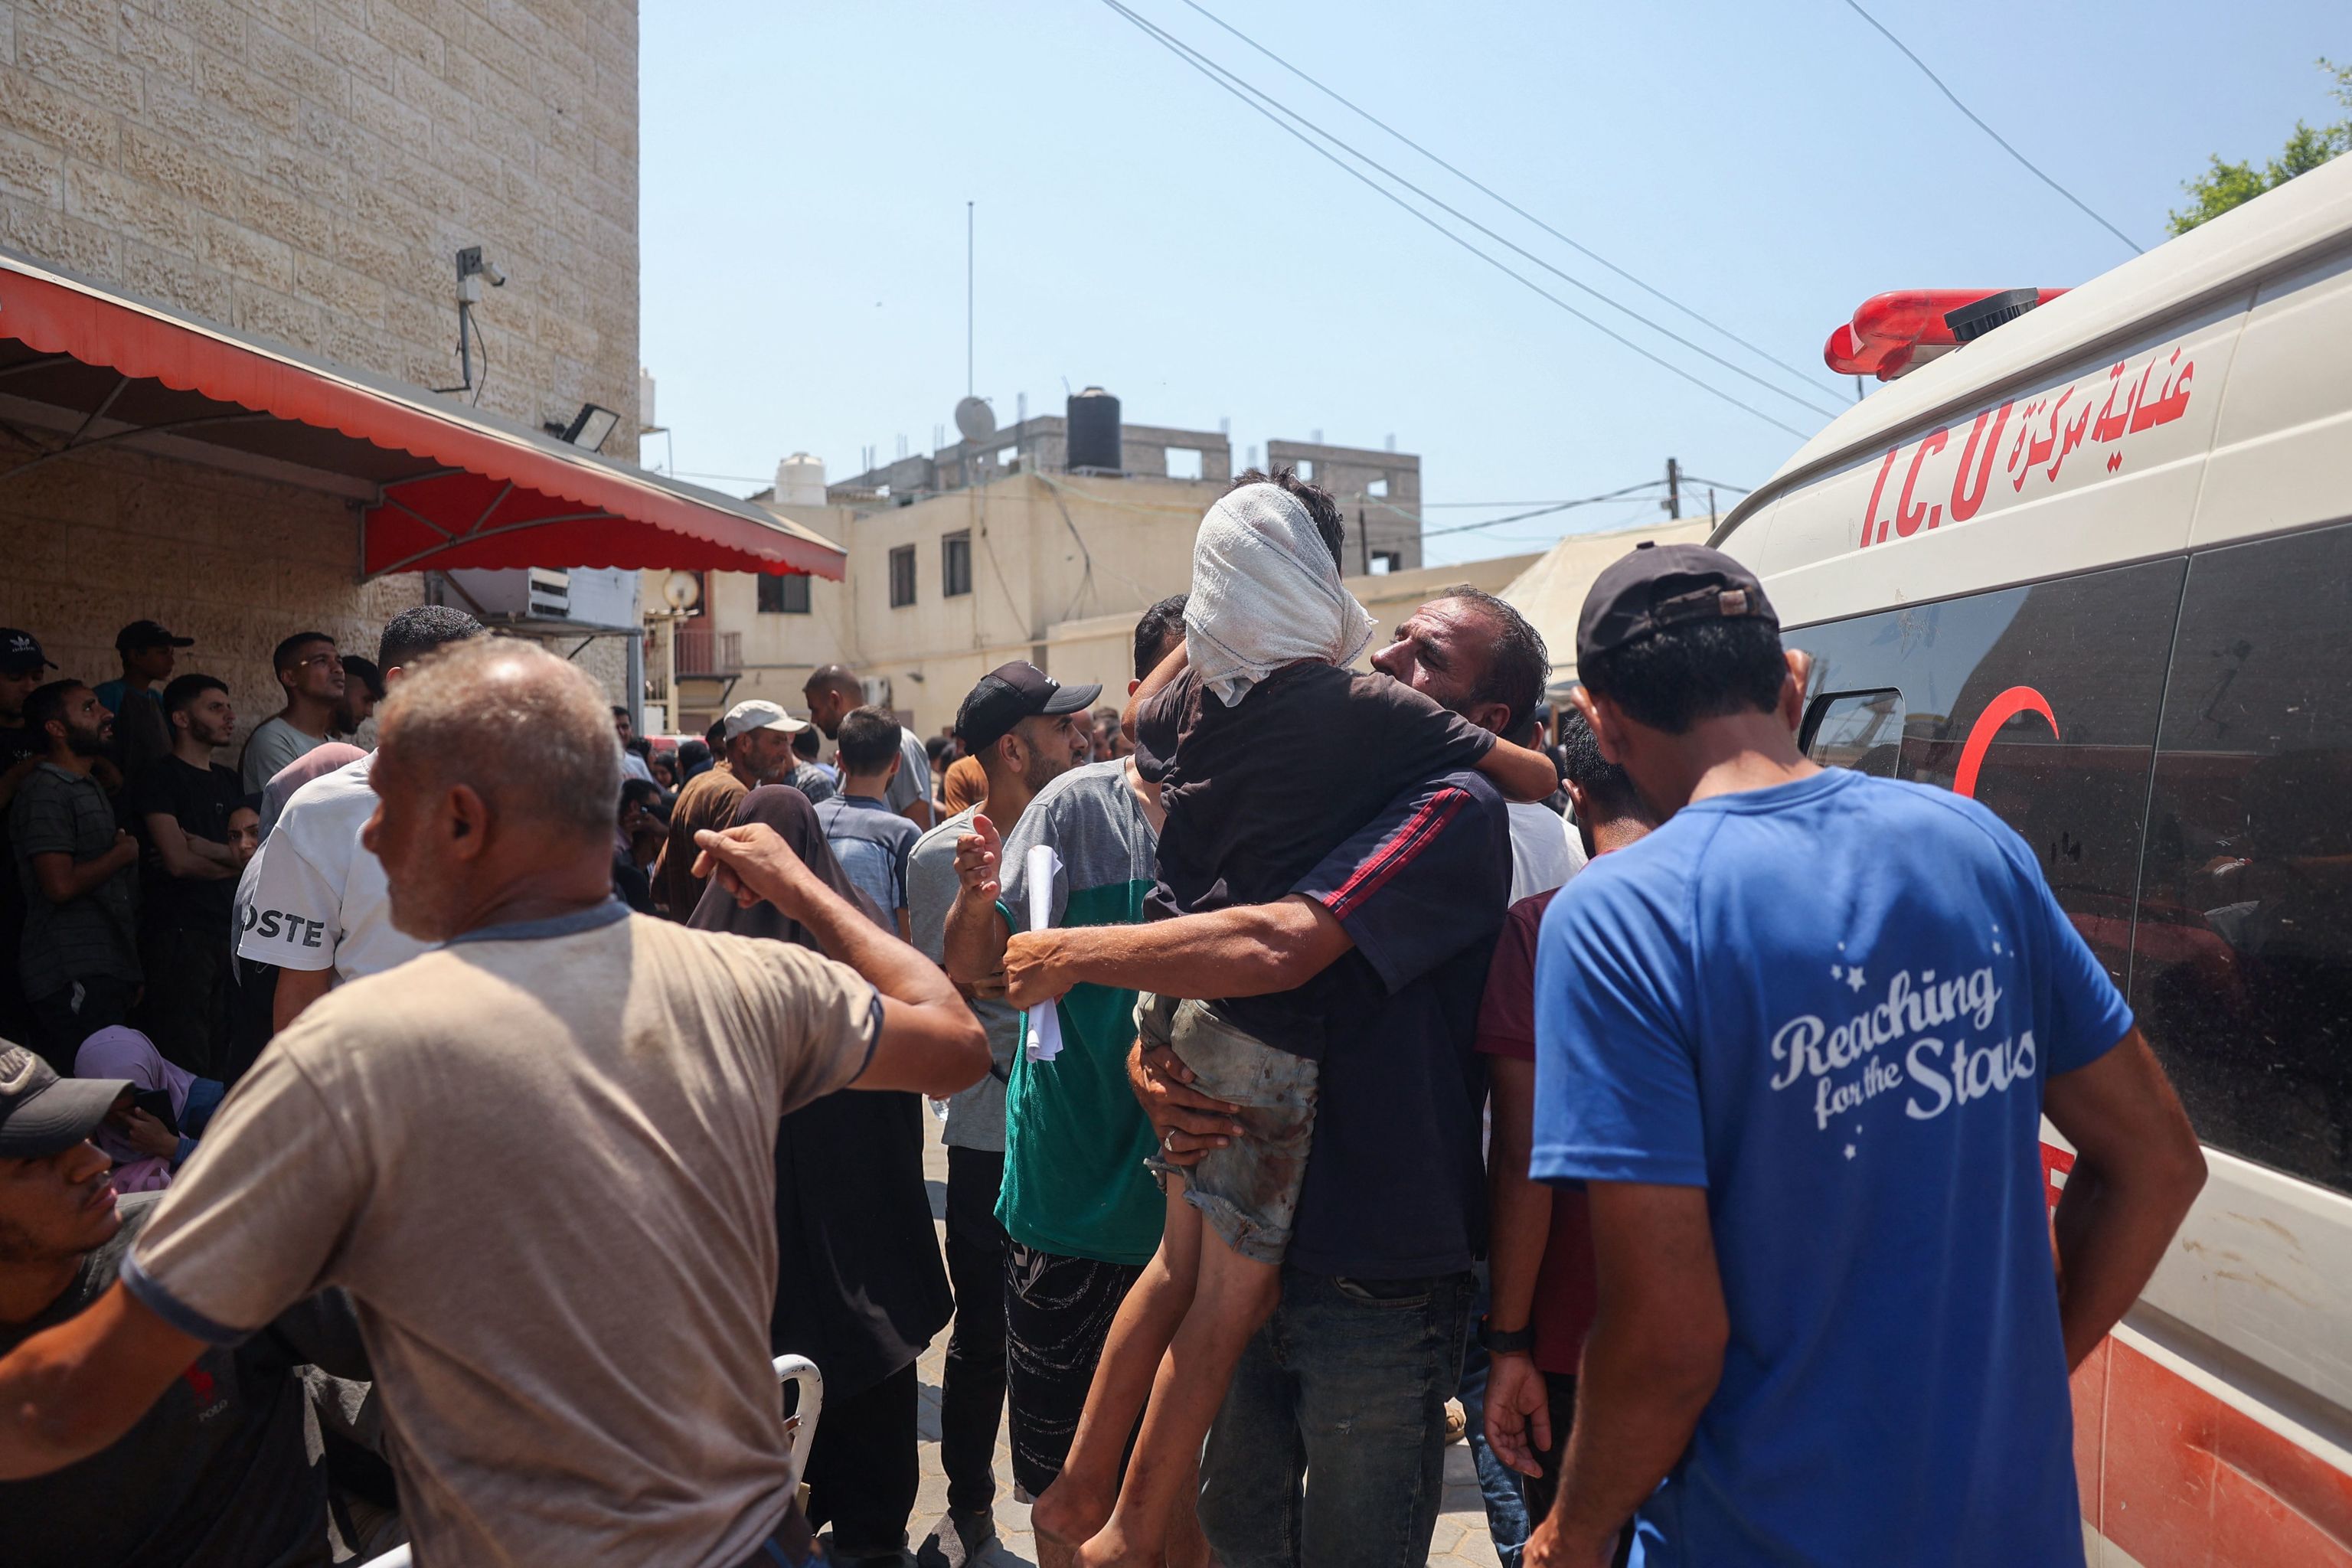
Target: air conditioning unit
[[549, 591]]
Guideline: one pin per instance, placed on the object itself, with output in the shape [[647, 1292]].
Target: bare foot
[[1070, 1512]]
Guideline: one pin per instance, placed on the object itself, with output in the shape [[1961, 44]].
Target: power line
[[1541, 510], [1216, 74], [1362, 157], [1989, 131], [1579, 247]]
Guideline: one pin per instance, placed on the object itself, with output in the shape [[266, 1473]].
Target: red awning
[[440, 486]]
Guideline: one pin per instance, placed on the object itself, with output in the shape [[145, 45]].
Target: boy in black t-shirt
[[216, 1475], [180, 808], [1269, 754]]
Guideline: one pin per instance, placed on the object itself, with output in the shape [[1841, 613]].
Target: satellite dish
[[682, 590], [975, 419]]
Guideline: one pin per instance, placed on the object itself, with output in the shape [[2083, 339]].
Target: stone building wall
[[305, 170], [235, 562]]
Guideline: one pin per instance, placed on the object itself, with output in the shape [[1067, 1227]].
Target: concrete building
[[306, 174], [1381, 490], [946, 578]]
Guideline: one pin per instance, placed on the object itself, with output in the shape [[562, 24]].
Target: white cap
[[746, 717]]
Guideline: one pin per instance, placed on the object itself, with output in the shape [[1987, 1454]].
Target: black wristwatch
[[1494, 1341]]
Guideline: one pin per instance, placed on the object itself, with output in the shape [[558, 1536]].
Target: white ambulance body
[[2095, 569]]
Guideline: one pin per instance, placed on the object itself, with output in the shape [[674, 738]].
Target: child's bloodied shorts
[[1247, 1192]]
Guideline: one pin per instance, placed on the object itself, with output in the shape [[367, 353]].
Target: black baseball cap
[[41, 1113], [20, 655], [1654, 586], [148, 634], [1012, 693]]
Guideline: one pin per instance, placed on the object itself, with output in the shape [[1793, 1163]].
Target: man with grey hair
[[317, 907], [577, 1103]]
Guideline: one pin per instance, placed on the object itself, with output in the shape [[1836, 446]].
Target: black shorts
[[1057, 1313]]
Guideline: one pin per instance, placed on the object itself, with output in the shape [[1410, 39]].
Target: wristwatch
[[1495, 1341]]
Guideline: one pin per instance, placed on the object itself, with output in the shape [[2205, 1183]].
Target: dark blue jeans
[[1348, 1380]]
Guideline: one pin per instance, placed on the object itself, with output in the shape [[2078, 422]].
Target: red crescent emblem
[[2000, 711]]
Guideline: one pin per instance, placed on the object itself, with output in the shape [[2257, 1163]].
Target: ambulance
[[2089, 561]]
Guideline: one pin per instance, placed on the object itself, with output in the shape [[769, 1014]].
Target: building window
[[1387, 561], [785, 595], [1304, 468], [1183, 462], [955, 565], [902, 576], [1379, 488]]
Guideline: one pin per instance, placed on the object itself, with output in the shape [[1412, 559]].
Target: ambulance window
[[1857, 730], [2241, 967], [2042, 701]]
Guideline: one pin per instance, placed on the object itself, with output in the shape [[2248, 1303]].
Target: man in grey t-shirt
[[1026, 730], [833, 693], [311, 671]]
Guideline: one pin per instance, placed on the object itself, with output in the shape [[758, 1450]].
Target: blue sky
[[806, 167]]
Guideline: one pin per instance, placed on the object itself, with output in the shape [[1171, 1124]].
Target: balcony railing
[[701, 652]]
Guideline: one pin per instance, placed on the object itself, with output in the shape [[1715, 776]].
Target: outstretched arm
[[1253, 949], [930, 1043], [69, 1392]]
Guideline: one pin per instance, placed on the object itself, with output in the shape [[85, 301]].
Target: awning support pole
[[136, 430]]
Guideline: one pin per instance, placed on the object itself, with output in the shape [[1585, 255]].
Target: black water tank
[[1094, 431]]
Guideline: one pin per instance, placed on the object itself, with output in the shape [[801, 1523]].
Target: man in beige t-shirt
[[538, 1157]]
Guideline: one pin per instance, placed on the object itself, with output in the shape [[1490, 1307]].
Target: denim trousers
[[1348, 1383], [1499, 1484]]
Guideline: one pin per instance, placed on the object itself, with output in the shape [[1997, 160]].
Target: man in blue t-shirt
[[1797, 1044], [870, 839]]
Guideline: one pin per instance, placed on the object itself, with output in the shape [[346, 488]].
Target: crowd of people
[[438, 1140]]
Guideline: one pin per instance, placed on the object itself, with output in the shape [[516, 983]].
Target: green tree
[[2226, 185]]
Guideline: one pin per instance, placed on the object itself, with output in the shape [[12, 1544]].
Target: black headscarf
[[860, 1289]]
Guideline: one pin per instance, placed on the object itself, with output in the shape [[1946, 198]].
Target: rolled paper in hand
[[1042, 1026]]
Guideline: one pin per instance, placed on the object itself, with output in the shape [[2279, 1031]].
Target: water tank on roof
[[800, 481], [1094, 431]]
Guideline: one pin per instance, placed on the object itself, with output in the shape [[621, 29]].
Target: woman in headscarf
[[249, 1023], [132, 1137], [860, 1288]]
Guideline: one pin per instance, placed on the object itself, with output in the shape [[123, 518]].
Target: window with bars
[[955, 565], [784, 595]]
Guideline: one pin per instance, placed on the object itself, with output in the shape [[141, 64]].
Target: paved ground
[[1461, 1541]]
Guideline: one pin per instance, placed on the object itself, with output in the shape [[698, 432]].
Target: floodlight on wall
[[589, 427]]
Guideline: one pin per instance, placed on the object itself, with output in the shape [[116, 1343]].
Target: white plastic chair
[[800, 1431]]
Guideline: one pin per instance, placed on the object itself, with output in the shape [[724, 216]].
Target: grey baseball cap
[[41, 1113]]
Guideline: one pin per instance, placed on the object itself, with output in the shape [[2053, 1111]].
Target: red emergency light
[[1898, 332]]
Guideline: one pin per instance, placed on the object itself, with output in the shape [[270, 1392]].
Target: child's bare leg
[[1234, 1298], [1075, 1505]]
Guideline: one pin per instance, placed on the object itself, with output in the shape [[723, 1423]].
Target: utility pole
[[968, 382], [1673, 501]]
